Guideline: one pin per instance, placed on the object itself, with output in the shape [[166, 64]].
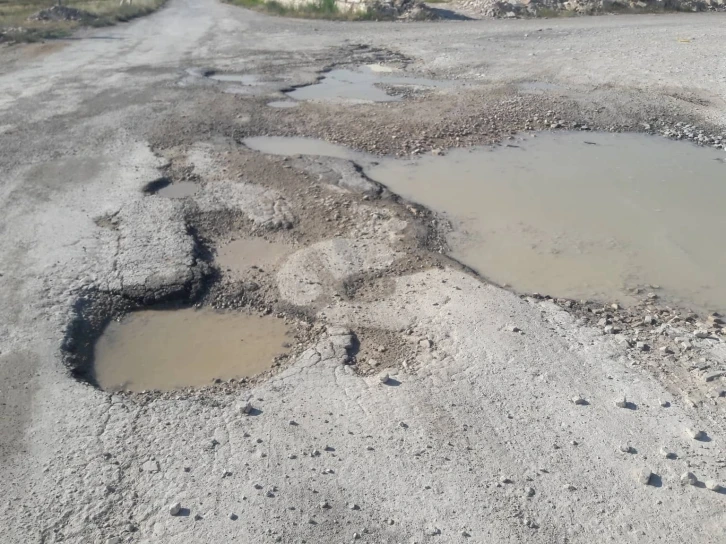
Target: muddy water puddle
[[182, 189], [240, 255], [362, 84], [169, 349], [582, 215]]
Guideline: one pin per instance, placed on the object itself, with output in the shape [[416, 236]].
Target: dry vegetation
[[16, 23]]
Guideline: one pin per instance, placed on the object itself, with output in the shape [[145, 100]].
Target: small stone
[[324, 505], [579, 400], [688, 478], [353, 506], [667, 454], [515, 329], [642, 346], [664, 403], [649, 320], [644, 476], [506, 480], [696, 434], [113, 540], [233, 516], [711, 376], [292, 422], [529, 491], [615, 307], [621, 402], [569, 487], [384, 377], [373, 362], [626, 448], [245, 408], [381, 349], [175, 508], [713, 486], [356, 536], [426, 343], [667, 350], [701, 333]]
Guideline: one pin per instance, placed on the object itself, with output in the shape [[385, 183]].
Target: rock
[[696, 434], [381, 349], [626, 448], [621, 402], [649, 320], [688, 478], [711, 376], [642, 346], [426, 343], [529, 491], [664, 403], [644, 475], [713, 486], [569, 487], [245, 407], [175, 508], [515, 329], [667, 350], [701, 333], [233, 516], [384, 378], [667, 454], [579, 400], [353, 506]]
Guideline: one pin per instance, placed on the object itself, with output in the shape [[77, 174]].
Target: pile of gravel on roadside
[[535, 8], [406, 10], [62, 13]]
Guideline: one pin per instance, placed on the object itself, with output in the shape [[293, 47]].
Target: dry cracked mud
[[416, 401]]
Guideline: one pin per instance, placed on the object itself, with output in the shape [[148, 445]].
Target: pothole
[[240, 255], [170, 349], [361, 84], [182, 189], [581, 215]]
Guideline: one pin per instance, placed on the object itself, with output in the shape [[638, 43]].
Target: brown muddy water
[[169, 349], [182, 189], [240, 255], [582, 215], [579, 215]]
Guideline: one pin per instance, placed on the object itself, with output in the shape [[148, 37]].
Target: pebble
[[384, 378], [626, 448], [175, 508], [696, 434], [529, 491], [664, 403], [569, 487], [245, 408], [713, 486], [667, 454], [621, 402], [688, 478], [353, 506], [644, 476], [233, 516], [579, 400]]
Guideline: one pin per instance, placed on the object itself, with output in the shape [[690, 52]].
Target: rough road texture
[[499, 419]]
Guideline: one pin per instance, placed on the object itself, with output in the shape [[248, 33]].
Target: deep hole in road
[[175, 348]]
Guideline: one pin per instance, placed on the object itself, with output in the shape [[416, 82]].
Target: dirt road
[[476, 437]]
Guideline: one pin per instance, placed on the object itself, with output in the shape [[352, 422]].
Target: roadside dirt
[[417, 402]]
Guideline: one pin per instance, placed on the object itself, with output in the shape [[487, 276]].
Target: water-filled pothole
[[182, 189], [582, 215], [240, 255], [577, 215], [169, 349], [361, 84]]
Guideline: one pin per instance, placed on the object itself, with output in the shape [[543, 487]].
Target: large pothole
[[170, 349]]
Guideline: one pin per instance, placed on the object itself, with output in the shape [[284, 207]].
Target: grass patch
[[16, 26], [315, 9]]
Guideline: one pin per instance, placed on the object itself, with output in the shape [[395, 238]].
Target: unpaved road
[[476, 438]]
